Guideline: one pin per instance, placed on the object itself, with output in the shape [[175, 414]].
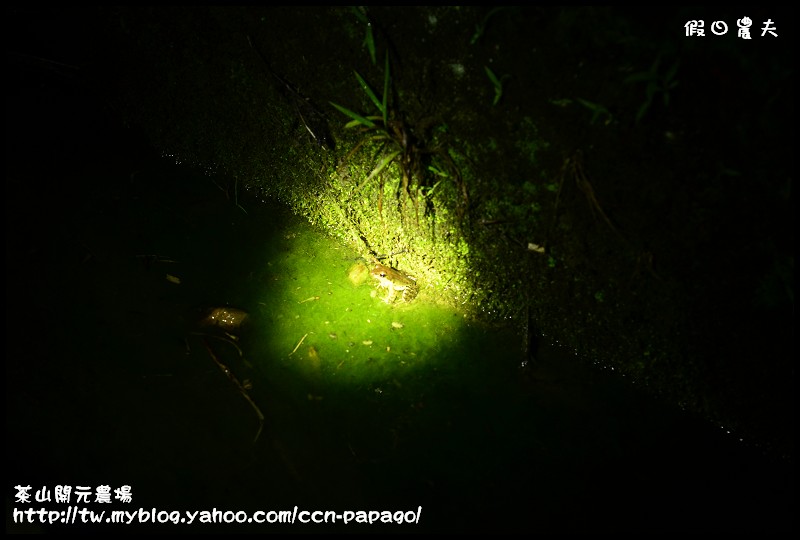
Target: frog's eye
[[383, 274]]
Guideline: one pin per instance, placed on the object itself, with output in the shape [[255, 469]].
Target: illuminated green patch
[[326, 327]]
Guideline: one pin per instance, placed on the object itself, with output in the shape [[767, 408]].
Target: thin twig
[[586, 187], [298, 344], [241, 388]]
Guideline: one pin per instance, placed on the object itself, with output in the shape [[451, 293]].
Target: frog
[[394, 281]]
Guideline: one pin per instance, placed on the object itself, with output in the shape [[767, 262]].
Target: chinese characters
[[63, 494], [696, 28]]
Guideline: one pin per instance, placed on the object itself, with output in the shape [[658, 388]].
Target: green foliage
[[497, 83], [357, 118], [418, 165], [438, 172], [369, 39], [377, 126], [462, 248], [529, 143], [480, 28], [656, 83], [598, 111], [381, 104]]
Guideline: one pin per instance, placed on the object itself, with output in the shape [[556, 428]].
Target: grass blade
[[355, 116], [370, 93], [386, 78], [382, 164], [492, 76]]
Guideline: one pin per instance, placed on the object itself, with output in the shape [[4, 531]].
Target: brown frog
[[394, 281]]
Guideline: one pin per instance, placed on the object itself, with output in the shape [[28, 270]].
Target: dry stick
[[302, 339], [586, 187], [235, 381]]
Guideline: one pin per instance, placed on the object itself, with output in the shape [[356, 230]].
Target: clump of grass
[[386, 126], [657, 82]]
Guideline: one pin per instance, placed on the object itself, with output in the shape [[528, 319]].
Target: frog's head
[[378, 270]]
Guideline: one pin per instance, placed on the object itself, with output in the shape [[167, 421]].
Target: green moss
[[529, 143]]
